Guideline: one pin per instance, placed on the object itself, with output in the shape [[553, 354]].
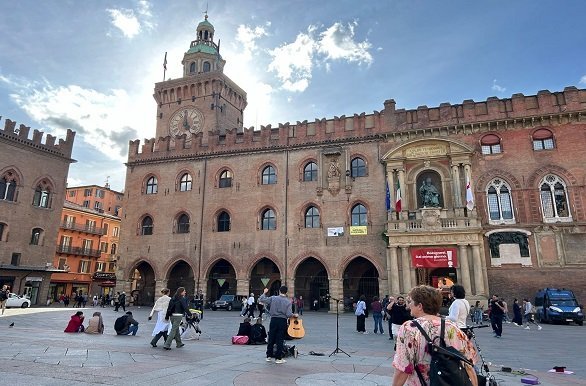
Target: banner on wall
[[335, 231], [434, 258], [358, 231]]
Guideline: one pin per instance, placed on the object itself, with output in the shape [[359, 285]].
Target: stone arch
[[311, 280], [485, 178], [142, 277], [12, 173], [254, 260], [455, 147], [301, 258], [221, 278], [265, 269], [360, 277], [538, 174], [181, 274]]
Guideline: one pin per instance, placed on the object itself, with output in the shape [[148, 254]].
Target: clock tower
[[204, 100]]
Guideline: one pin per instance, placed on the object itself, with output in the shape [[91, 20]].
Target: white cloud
[[337, 42], [497, 88], [132, 23], [293, 63], [248, 36], [583, 80], [104, 121]]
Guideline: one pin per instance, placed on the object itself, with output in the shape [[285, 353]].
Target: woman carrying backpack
[[412, 358]]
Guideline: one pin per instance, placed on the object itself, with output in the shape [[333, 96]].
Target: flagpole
[[165, 66]]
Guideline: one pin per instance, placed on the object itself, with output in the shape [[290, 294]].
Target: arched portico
[[142, 284], [221, 279], [311, 282], [181, 275], [360, 278]]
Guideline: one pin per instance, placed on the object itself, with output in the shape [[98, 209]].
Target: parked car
[[227, 302], [15, 300], [558, 305]]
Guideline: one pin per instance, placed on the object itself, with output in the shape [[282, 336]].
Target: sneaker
[[181, 345], [539, 327], [527, 328], [365, 333], [280, 361], [269, 359], [295, 354], [515, 324]]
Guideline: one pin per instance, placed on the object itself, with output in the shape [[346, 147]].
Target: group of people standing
[[523, 314]]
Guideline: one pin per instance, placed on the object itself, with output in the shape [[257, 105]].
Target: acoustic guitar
[[296, 330]]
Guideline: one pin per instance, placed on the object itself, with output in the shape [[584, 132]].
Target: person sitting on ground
[[244, 328], [412, 355], [258, 333], [96, 325], [75, 323], [126, 325]]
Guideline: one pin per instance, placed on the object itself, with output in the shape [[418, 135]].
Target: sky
[[91, 66]]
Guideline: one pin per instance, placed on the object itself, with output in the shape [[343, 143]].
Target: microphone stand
[[338, 349]]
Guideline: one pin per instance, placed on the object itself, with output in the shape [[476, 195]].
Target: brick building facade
[[33, 177], [491, 195]]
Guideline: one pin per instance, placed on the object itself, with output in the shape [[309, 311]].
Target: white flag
[[469, 195]]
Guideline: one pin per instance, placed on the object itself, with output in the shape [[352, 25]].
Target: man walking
[[528, 314], [497, 310], [4, 293], [398, 314], [280, 309]]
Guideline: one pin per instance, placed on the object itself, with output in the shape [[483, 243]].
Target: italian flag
[[398, 197]]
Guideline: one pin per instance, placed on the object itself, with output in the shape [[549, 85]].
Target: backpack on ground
[[120, 323], [240, 339], [447, 366]]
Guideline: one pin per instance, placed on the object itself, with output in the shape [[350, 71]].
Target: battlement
[[362, 127], [21, 135]]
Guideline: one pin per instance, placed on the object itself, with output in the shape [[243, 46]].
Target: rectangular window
[[69, 221], [99, 193], [105, 229], [111, 266], [15, 259], [103, 247], [87, 245], [98, 205], [84, 266], [65, 242], [100, 265], [90, 225], [87, 192], [62, 263], [86, 204], [506, 206], [72, 193], [116, 232]]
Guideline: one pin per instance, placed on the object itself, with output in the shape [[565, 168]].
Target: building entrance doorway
[[265, 273], [312, 284], [142, 284], [181, 275], [360, 278], [221, 280]]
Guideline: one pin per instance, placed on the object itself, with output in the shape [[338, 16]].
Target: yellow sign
[[358, 231]]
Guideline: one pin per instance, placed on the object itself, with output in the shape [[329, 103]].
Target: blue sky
[[91, 65]]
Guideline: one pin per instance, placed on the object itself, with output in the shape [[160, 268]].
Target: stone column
[[393, 270], [242, 286], [464, 277], [406, 270], [478, 275], [337, 292], [456, 184]]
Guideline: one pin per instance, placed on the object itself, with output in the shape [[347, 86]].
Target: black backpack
[[446, 367], [120, 323]]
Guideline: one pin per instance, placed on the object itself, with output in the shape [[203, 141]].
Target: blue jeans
[[378, 322], [132, 329]]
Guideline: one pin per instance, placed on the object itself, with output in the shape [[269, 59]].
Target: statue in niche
[[429, 194], [334, 169]]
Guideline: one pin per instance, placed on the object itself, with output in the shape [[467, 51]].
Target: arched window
[[41, 197], [543, 140], [312, 217], [2, 227], [146, 226], [183, 224], [224, 222], [359, 215], [269, 221], [500, 204], [113, 249], [269, 176], [225, 179], [7, 189], [554, 199], [192, 68], [206, 67], [185, 183], [151, 185], [357, 167], [491, 144], [36, 236], [310, 172]]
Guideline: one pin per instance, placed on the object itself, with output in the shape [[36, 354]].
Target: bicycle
[[483, 373]]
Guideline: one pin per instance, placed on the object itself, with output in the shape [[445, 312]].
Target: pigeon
[[11, 324]]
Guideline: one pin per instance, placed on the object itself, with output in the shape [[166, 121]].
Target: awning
[[107, 284]]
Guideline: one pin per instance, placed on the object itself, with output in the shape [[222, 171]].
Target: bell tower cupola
[[203, 54]]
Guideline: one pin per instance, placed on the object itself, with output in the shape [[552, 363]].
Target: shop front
[[103, 283]]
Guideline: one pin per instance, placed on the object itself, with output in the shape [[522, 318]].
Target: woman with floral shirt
[[424, 303]]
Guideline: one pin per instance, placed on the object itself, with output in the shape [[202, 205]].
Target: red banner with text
[[434, 258]]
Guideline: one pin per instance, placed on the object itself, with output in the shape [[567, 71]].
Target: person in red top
[[75, 323], [377, 315]]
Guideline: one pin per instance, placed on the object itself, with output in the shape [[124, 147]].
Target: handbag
[[240, 339]]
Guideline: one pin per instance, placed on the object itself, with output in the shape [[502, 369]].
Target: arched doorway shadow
[[142, 284], [360, 278], [181, 275], [221, 280], [311, 282], [265, 273]]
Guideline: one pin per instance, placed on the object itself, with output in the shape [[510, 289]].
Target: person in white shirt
[[162, 325], [528, 314], [460, 308], [251, 305]]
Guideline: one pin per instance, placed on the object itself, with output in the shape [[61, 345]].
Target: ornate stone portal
[[334, 174]]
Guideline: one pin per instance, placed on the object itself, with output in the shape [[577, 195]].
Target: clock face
[[185, 121]]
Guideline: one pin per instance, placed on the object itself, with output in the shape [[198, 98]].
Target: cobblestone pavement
[[36, 351]]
